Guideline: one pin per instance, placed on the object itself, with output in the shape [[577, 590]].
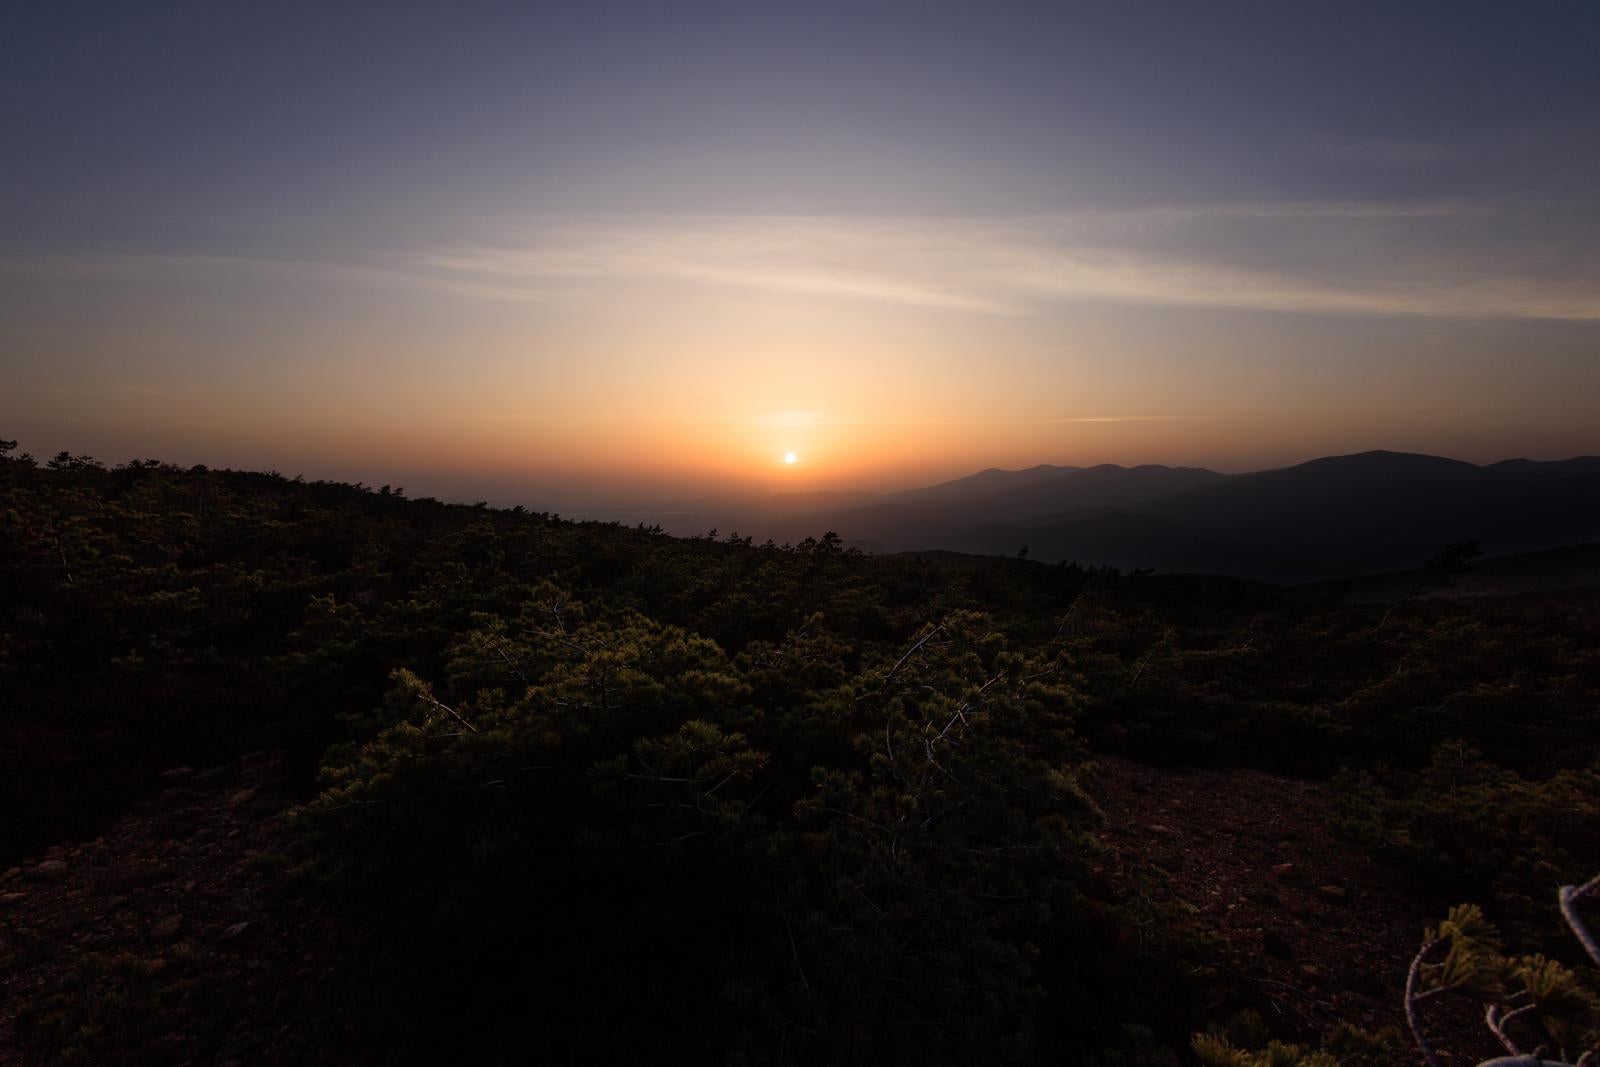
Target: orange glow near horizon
[[623, 389], [432, 443], [573, 265]]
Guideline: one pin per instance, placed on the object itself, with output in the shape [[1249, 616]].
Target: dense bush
[[768, 803], [773, 852], [1463, 821]]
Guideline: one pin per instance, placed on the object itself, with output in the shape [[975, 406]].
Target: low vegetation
[[600, 792]]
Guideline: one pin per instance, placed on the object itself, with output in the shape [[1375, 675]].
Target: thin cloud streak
[[1122, 418], [1333, 258], [810, 419], [1446, 260]]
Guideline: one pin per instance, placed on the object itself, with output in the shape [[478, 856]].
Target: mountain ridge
[[1328, 517]]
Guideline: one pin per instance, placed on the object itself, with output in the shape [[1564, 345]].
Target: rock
[[1283, 872], [8, 899], [177, 773], [1276, 945], [1310, 972], [177, 799], [217, 776], [237, 932], [167, 928], [266, 804], [130, 876], [1160, 831], [52, 869], [14, 872], [241, 798], [1362, 981], [176, 827], [1333, 894]]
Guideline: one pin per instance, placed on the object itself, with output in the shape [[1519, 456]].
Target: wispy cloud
[[804, 256], [815, 418], [1122, 418], [1441, 259], [1328, 258]]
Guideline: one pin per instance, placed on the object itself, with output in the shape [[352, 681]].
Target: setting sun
[[1202, 437]]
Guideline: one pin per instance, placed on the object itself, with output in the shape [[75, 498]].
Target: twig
[[901, 662], [454, 714], [498, 647], [1569, 897], [1413, 974], [794, 948], [1497, 1024]]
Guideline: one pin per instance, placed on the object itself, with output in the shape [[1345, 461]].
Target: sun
[[790, 457]]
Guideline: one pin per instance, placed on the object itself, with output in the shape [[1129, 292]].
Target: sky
[[574, 254]]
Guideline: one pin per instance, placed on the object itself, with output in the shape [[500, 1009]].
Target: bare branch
[[1413, 996], [454, 714], [66, 569], [500, 648], [1569, 897], [912, 651], [795, 950], [966, 705], [1497, 1024]]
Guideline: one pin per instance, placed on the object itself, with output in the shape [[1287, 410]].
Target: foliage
[[1463, 821], [884, 891], [763, 803], [1243, 1042], [110, 1001]]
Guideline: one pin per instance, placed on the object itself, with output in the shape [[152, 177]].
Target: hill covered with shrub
[[582, 791]]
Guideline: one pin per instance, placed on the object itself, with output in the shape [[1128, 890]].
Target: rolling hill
[[1331, 517]]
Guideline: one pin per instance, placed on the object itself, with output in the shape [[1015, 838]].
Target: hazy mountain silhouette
[[1340, 515], [1343, 515], [1568, 567], [985, 481]]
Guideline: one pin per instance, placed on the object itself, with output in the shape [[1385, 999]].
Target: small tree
[[1526, 1000], [1440, 572]]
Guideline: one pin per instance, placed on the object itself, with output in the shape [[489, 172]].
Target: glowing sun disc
[[790, 457]]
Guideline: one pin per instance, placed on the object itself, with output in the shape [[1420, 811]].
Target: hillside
[[1571, 567], [306, 772], [1339, 516]]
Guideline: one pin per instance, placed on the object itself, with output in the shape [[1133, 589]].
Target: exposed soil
[[162, 931], [1325, 931]]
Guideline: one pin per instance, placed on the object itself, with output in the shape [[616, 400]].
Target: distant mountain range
[[1331, 517]]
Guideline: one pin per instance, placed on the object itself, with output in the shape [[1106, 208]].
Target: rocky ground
[[160, 940], [1325, 931], [157, 939]]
